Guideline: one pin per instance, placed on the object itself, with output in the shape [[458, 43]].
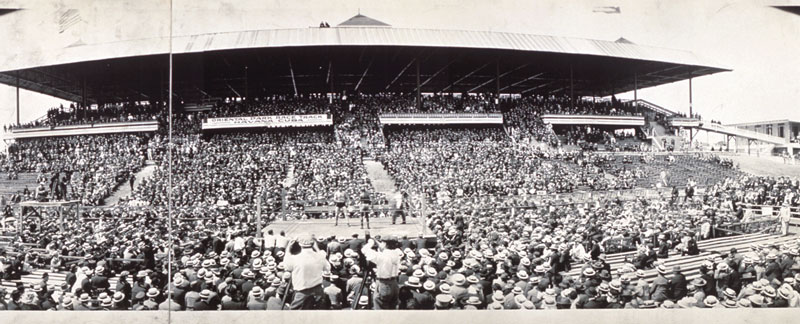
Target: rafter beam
[[499, 76], [364, 74], [535, 76], [234, 90], [464, 77], [291, 71], [401, 73], [436, 73], [537, 87]]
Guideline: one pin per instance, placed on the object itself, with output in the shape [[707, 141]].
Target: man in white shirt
[[387, 268], [306, 268]]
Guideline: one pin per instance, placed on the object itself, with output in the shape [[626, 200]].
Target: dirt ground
[[766, 166]]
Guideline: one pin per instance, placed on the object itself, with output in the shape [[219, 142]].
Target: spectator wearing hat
[[597, 297], [173, 303], [333, 292], [660, 288], [642, 290], [424, 296], [406, 294], [707, 274], [256, 301], [306, 268], [204, 303], [458, 289], [83, 304], [773, 271], [99, 281], [787, 261], [387, 268], [712, 302], [443, 302], [66, 304], [119, 302], [678, 283], [139, 285], [151, 303]]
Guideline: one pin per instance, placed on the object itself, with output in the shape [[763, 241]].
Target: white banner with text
[[268, 121]]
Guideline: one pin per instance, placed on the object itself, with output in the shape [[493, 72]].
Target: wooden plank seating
[[719, 246]]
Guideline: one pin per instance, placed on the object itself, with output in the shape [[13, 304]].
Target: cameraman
[[306, 266], [387, 268]]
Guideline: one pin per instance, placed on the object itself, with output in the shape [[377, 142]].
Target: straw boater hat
[[413, 282]]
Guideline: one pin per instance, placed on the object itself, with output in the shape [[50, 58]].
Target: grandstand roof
[[372, 58], [361, 20]]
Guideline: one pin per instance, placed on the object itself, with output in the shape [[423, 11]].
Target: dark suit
[[202, 306], [100, 283], [735, 281], [773, 272], [678, 284]]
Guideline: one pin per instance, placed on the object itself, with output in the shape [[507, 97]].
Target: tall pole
[[17, 97], [636, 91], [691, 112], [246, 88], [169, 181]]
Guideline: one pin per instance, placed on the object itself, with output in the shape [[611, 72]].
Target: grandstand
[[503, 167]]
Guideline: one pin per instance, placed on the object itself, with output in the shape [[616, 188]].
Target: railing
[[758, 226], [85, 129], [564, 119], [454, 118], [654, 107], [735, 131]]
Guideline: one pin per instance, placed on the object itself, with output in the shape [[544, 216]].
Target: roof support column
[[18, 105], [571, 89], [419, 90], [636, 91], [691, 112], [246, 88]]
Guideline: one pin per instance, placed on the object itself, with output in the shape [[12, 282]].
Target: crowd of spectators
[[277, 105], [225, 169], [486, 255], [77, 114], [86, 168], [440, 104]]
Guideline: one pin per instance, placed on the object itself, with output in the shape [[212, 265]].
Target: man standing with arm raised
[[387, 268], [306, 268]]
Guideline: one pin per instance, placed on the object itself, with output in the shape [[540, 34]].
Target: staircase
[[381, 181], [124, 189], [289, 181], [10, 187]]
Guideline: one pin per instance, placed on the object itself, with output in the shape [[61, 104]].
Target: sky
[[758, 42]]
